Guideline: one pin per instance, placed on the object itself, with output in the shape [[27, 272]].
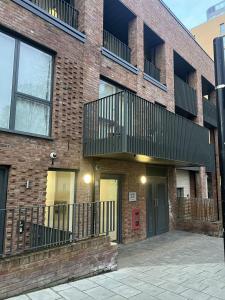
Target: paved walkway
[[174, 266]]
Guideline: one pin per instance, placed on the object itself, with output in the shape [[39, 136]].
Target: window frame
[[15, 94], [222, 28]]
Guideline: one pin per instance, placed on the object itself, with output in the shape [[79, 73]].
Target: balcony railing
[[151, 70], [117, 47], [126, 123], [36, 227], [185, 96], [59, 9], [209, 113]]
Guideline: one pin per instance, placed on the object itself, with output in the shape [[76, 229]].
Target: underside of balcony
[[125, 126]]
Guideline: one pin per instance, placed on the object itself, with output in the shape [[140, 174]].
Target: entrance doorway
[[3, 193], [157, 206], [110, 191]]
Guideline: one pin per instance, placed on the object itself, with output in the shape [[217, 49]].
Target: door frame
[[119, 201], [155, 179], [3, 206]]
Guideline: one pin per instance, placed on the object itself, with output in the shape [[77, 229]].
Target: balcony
[[151, 70], [124, 126], [59, 9], [209, 113], [114, 45], [185, 97]]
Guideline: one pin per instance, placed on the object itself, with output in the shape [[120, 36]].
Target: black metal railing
[[209, 113], [116, 46], [126, 123], [151, 70], [196, 209], [59, 9], [37, 227], [185, 96]]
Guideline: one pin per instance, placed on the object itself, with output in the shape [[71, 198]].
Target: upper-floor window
[[222, 29], [25, 87]]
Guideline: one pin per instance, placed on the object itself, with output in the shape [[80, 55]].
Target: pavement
[[174, 266]]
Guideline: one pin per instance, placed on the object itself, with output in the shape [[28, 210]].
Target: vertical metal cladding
[[210, 113], [185, 96], [126, 123]]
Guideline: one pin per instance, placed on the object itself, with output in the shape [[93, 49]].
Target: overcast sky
[[191, 12]]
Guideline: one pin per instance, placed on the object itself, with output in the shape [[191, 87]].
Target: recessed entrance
[[3, 193], [110, 191], [157, 206]]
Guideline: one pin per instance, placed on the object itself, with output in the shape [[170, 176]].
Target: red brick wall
[[50, 267]]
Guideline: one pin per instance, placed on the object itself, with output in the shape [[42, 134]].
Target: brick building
[[122, 94]]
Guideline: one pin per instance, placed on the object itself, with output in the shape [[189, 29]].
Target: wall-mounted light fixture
[[143, 179], [87, 178]]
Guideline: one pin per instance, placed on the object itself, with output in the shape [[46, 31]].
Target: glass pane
[[32, 117], [35, 69], [60, 191], [109, 192], [107, 89], [7, 46]]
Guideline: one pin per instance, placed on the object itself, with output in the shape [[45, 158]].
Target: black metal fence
[[36, 227], [151, 70], [59, 9], [126, 123], [116, 46], [185, 96], [210, 113]]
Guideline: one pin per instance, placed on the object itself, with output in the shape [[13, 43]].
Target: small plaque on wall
[[132, 196]]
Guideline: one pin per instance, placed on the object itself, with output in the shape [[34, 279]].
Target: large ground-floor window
[[60, 198]]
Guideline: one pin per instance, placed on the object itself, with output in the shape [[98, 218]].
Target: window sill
[[119, 60], [49, 18], [155, 82], [26, 134]]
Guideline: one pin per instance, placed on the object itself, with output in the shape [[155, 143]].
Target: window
[[111, 109], [222, 29], [25, 87], [180, 192], [60, 198]]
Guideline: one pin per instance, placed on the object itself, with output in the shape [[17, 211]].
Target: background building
[[216, 10], [212, 28]]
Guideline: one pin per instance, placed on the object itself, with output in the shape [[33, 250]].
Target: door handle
[[156, 202]]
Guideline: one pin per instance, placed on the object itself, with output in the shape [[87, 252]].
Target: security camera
[[53, 155]]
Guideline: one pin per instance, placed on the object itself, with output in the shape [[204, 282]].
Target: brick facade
[[55, 266], [78, 67]]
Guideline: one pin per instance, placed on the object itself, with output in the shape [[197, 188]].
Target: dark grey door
[[157, 207], [3, 191]]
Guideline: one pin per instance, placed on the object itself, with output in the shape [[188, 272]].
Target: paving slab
[[173, 266]]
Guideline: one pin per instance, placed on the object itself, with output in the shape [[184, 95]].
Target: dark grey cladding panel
[[126, 123]]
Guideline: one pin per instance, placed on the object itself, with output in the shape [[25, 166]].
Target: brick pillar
[[92, 46], [80, 6], [172, 197], [136, 42], [201, 183], [169, 72], [160, 62]]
